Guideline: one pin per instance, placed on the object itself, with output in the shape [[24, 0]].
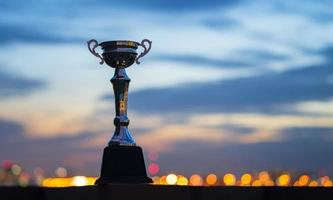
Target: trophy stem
[[121, 136]]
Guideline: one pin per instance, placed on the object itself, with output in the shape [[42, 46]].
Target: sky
[[229, 86]]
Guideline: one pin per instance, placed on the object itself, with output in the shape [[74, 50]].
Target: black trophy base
[[123, 164]]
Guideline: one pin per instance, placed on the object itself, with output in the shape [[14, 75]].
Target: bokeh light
[[24, 179], [153, 168], [162, 180], [246, 179], [296, 184], [70, 181], [257, 183], [156, 180], [264, 176], [79, 181], [211, 179], [313, 183], [182, 180], [303, 180], [152, 156], [171, 179], [7, 164], [196, 180], [16, 169], [61, 172], [229, 179], [284, 180], [323, 180]]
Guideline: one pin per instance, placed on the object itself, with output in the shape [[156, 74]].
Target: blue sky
[[246, 85]]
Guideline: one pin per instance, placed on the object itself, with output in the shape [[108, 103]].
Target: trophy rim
[[120, 43]]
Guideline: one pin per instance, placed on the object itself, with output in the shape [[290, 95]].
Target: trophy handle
[[92, 49], [146, 50]]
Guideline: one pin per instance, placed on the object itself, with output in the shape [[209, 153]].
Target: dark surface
[[123, 164], [159, 192]]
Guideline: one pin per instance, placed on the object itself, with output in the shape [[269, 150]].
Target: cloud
[[10, 130], [222, 23], [11, 33], [14, 85], [313, 9], [262, 122], [165, 5], [263, 93], [250, 58], [314, 107], [195, 60]]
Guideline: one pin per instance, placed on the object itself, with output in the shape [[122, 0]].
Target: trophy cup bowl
[[119, 53], [123, 160]]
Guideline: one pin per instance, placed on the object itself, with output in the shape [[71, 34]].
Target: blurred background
[[229, 87]]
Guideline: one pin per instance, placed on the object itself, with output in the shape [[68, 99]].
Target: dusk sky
[[229, 86]]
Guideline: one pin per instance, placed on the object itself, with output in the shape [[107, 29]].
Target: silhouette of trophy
[[123, 160]]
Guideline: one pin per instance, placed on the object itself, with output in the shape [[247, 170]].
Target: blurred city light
[[61, 172], [171, 179], [283, 180], [246, 179], [13, 174], [211, 179], [256, 183], [229, 179], [16, 169], [153, 168], [68, 182], [79, 181], [182, 180], [304, 180], [196, 180], [152, 156], [313, 183]]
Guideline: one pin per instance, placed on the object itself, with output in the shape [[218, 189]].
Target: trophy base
[[123, 164]]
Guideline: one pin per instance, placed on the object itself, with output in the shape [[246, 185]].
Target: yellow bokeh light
[[67, 182], [304, 180], [91, 180], [283, 180], [229, 179], [313, 184], [196, 180], [246, 179], [79, 181], [211, 179], [182, 180], [171, 179], [256, 183]]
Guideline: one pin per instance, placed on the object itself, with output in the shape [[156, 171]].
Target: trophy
[[122, 159]]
